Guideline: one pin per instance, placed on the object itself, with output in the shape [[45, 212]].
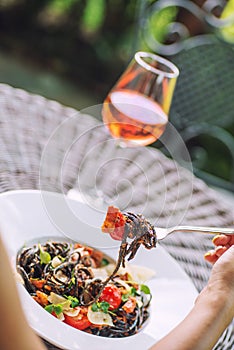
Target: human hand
[[222, 276], [222, 243], [214, 307]]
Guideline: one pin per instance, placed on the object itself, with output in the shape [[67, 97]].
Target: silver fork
[[164, 232]]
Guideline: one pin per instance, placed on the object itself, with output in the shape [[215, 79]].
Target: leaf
[[94, 15], [94, 307], [228, 30], [49, 308], [104, 262], [44, 256], [133, 292], [125, 297], [145, 289], [74, 301], [104, 306], [58, 309]]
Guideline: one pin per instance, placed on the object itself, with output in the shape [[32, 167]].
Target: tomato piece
[[114, 223], [112, 295], [39, 284], [41, 298], [97, 257], [130, 305], [77, 245], [117, 233], [80, 321]]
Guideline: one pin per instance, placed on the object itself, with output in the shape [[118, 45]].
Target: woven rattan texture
[[45, 145]]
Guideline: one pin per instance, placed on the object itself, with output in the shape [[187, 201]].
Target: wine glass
[[136, 114], [136, 109]]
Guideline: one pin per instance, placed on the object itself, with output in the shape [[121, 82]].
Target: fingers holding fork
[[221, 244]]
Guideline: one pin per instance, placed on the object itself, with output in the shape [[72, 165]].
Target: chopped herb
[[49, 308], [44, 256], [132, 293], [103, 306], [125, 297], [145, 289], [72, 281], [94, 307], [104, 262], [58, 309], [74, 301]]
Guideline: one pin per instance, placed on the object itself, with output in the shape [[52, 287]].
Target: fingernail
[[215, 237], [207, 254]]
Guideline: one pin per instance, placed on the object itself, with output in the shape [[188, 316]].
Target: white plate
[[25, 217]]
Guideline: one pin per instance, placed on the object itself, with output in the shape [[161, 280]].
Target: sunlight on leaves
[[61, 6], [158, 23], [228, 31], [93, 15]]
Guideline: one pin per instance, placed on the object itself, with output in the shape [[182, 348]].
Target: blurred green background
[[69, 50], [73, 51]]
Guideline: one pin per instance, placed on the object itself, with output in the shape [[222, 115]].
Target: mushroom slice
[[99, 317]]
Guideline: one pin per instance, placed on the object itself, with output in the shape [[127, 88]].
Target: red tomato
[[112, 295], [114, 223], [117, 233], [80, 321]]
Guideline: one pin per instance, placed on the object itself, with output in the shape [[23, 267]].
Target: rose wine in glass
[[136, 109]]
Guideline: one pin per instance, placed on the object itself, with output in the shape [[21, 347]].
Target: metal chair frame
[[180, 51]]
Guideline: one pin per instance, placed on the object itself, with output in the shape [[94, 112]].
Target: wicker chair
[[203, 107]]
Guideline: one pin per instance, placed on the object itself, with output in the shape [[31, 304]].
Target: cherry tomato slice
[[112, 295], [114, 223], [80, 321]]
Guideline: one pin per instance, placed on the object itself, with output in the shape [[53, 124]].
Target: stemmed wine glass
[[135, 112], [136, 109]]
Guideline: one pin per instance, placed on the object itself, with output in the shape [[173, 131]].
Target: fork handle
[[206, 229]]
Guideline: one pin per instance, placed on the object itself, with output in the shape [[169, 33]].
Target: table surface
[[44, 145]]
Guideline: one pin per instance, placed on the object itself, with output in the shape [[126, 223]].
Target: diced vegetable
[[130, 305], [114, 223]]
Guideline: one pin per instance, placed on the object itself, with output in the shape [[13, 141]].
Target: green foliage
[[61, 6], [228, 30], [86, 41], [158, 22], [93, 15], [157, 25]]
